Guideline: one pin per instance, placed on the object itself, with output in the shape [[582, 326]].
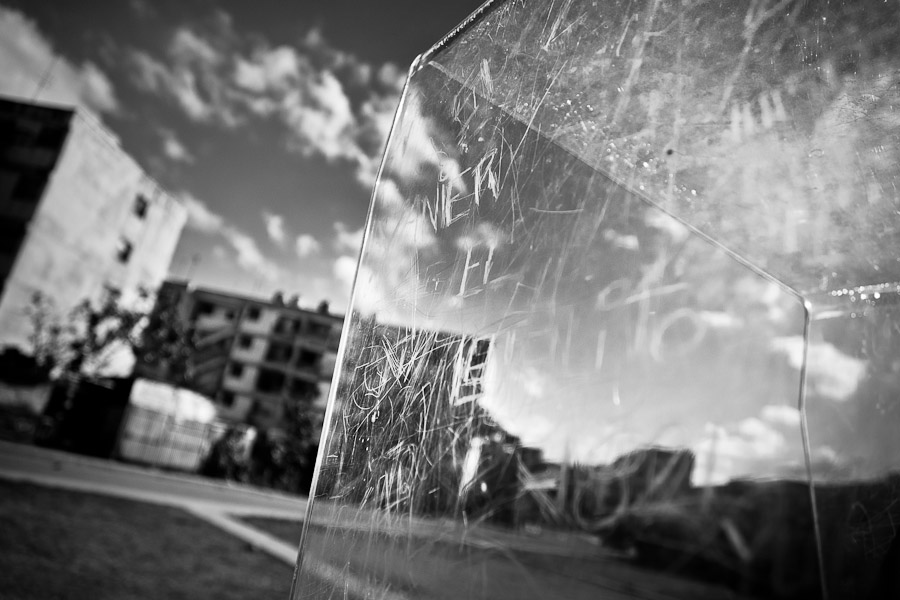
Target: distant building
[[252, 356], [76, 214]]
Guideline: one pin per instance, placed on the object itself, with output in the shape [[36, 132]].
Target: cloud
[[347, 241], [174, 149], [307, 245], [249, 256], [831, 373], [321, 119], [247, 253], [781, 414], [200, 217], [274, 227], [751, 448], [179, 84], [190, 74], [189, 47], [269, 69], [344, 270], [29, 63], [216, 76], [141, 8]]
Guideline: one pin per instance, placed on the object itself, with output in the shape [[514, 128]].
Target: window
[[140, 206], [278, 352], [227, 399], [229, 315], [307, 359], [123, 250], [253, 313], [286, 325], [236, 370], [204, 308], [270, 381], [245, 341], [319, 329]]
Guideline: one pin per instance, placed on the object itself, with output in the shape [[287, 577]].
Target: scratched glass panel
[[624, 323]]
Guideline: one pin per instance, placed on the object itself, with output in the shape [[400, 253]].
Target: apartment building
[[77, 214], [253, 356]]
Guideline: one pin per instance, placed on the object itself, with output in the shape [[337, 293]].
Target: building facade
[[77, 215], [253, 357]]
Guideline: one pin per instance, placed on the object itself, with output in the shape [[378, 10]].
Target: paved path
[[49, 467], [214, 502], [219, 504]]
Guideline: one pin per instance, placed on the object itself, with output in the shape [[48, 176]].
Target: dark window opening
[[278, 353], [124, 250], [245, 341], [253, 313], [236, 370], [301, 389], [227, 399], [307, 359], [204, 308], [287, 325], [140, 206], [270, 381], [319, 329]]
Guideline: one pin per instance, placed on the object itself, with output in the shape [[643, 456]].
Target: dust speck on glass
[[625, 323]]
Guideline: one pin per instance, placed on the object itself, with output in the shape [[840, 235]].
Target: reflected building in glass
[[656, 243]]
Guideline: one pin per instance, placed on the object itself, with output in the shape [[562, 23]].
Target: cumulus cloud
[[247, 253], [174, 149], [200, 217], [751, 448], [831, 373], [321, 119], [274, 227], [345, 240], [307, 245], [178, 83], [215, 75], [781, 414], [344, 270], [29, 63], [763, 446]]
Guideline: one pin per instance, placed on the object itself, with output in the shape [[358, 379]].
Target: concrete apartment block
[[253, 356], [76, 214]]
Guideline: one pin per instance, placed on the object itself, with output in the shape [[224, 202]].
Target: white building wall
[[263, 325], [87, 210], [245, 383], [254, 354]]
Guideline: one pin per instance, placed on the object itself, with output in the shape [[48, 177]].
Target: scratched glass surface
[[625, 323]]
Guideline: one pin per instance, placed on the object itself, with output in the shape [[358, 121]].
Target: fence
[[159, 439]]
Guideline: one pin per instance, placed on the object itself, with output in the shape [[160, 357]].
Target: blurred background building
[[256, 358], [77, 215]]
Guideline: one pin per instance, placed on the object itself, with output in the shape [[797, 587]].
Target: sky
[[267, 119]]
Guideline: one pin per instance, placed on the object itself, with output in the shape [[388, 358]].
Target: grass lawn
[[426, 569], [56, 544]]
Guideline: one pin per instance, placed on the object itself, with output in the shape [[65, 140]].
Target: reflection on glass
[[624, 321]]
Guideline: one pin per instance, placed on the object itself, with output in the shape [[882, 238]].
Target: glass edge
[[459, 29], [345, 330]]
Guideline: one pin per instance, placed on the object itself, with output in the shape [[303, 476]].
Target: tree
[[96, 334], [295, 456], [92, 335], [167, 341]]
